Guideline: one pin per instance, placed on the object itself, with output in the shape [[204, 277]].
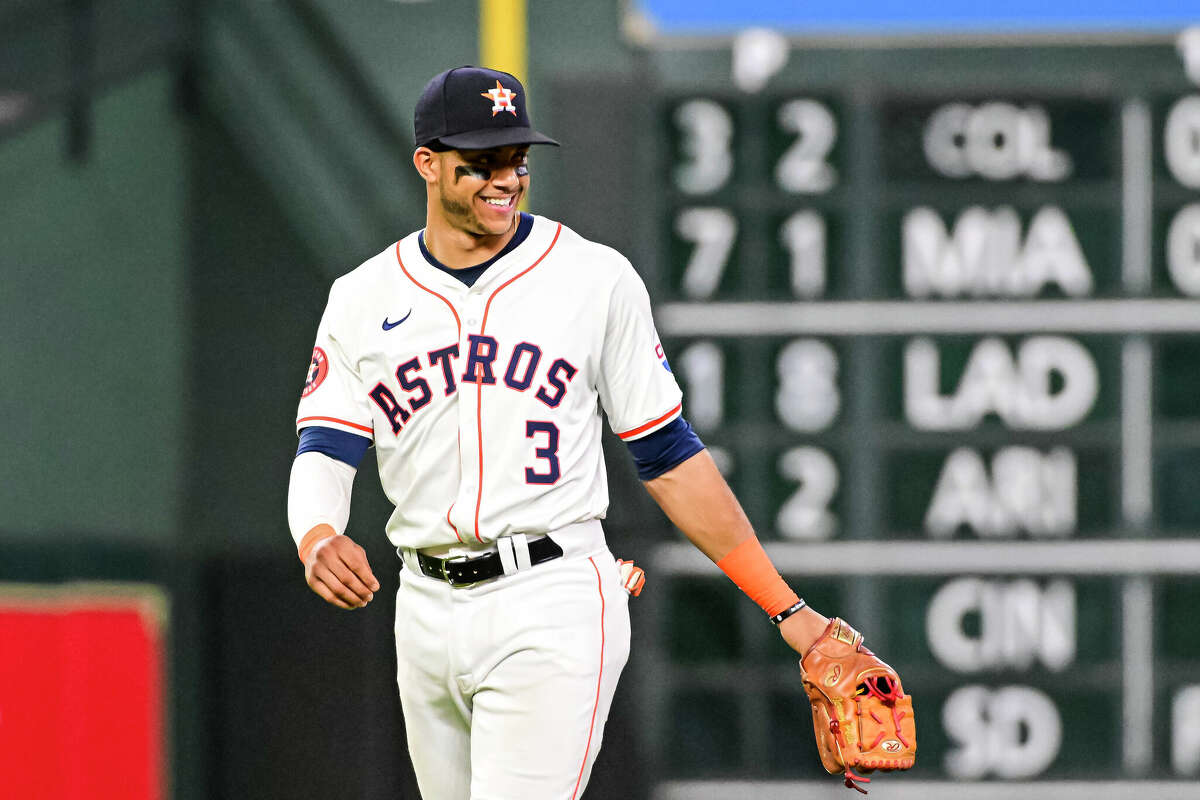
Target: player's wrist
[[316, 535], [803, 629], [789, 611]]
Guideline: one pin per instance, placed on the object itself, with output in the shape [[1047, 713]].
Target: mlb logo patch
[[318, 368], [662, 356]]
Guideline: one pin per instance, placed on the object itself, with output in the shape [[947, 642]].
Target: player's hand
[[338, 571]]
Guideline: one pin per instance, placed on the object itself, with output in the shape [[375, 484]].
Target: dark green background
[[175, 207]]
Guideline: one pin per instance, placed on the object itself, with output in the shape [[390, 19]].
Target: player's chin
[[497, 218]]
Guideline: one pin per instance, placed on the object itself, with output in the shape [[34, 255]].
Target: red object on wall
[[81, 693]]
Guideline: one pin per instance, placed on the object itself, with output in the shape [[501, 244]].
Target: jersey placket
[[466, 513]]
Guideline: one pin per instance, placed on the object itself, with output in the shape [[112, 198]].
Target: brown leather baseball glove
[[862, 717]]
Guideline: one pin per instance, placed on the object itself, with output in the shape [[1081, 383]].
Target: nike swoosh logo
[[387, 326]]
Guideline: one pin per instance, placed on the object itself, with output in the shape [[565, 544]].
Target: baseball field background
[[929, 281]]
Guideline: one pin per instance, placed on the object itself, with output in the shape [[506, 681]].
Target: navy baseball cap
[[474, 108]]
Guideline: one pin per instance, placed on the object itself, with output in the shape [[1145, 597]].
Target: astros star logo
[[502, 99], [318, 368]]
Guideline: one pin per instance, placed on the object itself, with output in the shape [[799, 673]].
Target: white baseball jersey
[[483, 402]]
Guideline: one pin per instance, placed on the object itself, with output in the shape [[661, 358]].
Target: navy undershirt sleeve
[[666, 448], [348, 448]]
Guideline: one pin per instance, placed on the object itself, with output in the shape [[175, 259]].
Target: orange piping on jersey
[[366, 428], [479, 441], [458, 328], [451, 524], [449, 305], [450, 510], [651, 423], [599, 683], [479, 383], [520, 274]]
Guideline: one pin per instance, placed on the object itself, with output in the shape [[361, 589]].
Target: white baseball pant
[[506, 685]]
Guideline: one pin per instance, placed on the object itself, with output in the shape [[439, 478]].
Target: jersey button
[[472, 321]]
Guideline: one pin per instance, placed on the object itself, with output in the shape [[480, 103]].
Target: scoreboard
[[936, 312]]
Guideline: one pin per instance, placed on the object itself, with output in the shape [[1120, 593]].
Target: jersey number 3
[[549, 452]]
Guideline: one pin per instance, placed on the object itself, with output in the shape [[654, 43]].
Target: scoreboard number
[[712, 232], [807, 398], [803, 236], [804, 168], [806, 513], [706, 143]]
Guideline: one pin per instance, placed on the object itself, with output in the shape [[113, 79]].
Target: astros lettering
[[520, 372]]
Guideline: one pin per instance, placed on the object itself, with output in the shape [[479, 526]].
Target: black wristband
[[782, 615]]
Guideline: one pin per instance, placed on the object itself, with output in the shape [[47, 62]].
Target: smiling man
[[476, 211], [476, 356]]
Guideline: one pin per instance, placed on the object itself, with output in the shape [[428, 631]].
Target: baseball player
[[476, 355]]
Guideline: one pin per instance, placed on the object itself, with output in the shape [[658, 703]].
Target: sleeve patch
[[661, 356], [318, 370]]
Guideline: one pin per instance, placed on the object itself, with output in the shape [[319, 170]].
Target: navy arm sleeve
[[666, 448], [345, 447]]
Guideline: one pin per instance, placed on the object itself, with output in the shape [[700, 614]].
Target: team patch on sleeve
[[318, 369], [662, 356]]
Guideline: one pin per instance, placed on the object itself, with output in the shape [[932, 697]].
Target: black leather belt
[[462, 571]]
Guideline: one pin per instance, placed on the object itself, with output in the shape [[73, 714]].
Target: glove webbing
[[882, 687]]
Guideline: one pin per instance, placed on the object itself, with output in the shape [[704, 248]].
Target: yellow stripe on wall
[[502, 36]]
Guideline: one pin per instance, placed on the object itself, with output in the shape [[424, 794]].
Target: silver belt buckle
[[446, 573]]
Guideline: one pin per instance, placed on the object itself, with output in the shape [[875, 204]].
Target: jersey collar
[[516, 256], [470, 275]]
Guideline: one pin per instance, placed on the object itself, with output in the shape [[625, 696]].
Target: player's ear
[[427, 163]]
